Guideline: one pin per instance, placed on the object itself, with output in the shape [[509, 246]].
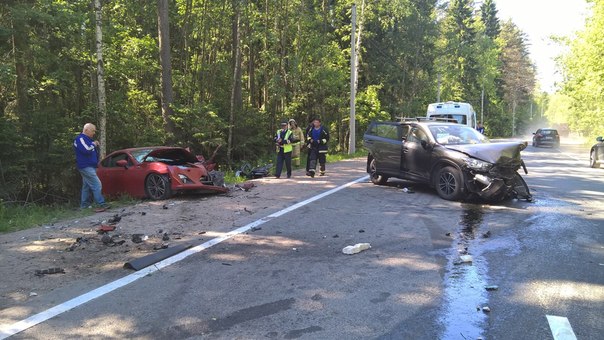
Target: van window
[[460, 119]]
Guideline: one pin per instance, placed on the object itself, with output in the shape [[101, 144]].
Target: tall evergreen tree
[[488, 14], [458, 64]]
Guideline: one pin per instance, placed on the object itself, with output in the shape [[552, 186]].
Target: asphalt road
[[290, 280]]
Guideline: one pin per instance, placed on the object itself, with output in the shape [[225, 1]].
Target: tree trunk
[[167, 95], [20, 52], [100, 79], [236, 96]]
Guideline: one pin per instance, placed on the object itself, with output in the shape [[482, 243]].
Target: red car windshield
[[140, 154]]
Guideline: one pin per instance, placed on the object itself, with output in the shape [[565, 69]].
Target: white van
[[463, 113]]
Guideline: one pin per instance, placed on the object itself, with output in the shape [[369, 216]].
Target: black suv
[[455, 159], [546, 137]]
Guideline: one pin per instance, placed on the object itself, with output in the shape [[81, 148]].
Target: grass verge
[[19, 217]]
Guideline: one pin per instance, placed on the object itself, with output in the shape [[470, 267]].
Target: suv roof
[[420, 121]]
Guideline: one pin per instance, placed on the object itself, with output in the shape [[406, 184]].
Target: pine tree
[[488, 13]]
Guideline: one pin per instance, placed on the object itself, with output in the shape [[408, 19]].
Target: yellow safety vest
[[286, 147]]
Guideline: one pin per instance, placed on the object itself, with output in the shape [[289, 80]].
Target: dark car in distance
[[455, 159], [548, 137], [596, 154]]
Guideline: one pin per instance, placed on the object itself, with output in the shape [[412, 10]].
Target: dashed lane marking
[[9, 330], [561, 328]]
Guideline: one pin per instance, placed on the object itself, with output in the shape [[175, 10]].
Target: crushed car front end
[[186, 173], [491, 170]]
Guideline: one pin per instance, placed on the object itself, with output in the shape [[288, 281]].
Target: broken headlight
[[184, 179], [478, 165]]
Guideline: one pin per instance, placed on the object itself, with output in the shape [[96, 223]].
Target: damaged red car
[[157, 173]]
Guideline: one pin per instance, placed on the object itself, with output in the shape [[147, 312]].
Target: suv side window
[[405, 131], [372, 129], [389, 131], [417, 135]]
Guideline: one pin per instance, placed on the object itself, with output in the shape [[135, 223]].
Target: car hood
[[491, 152], [177, 154]]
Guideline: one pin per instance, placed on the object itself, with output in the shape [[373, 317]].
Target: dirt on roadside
[[36, 261]]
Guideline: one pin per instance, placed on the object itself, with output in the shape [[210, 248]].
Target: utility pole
[[438, 89], [353, 73], [482, 106]]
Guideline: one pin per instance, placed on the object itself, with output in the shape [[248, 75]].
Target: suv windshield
[[456, 134]]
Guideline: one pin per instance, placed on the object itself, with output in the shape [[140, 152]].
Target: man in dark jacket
[[317, 138], [87, 158]]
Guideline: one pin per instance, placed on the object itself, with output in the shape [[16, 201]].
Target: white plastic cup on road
[[357, 248]]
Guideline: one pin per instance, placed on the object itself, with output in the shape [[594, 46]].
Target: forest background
[[203, 73]]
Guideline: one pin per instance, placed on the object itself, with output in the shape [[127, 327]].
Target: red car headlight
[[184, 179]]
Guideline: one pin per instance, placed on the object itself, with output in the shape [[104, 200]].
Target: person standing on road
[[480, 128], [298, 138], [284, 140], [316, 139], [87, 158]]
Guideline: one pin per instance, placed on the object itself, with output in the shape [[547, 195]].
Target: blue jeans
[[91, 183]]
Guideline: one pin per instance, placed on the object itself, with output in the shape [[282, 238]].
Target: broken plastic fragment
[[492, 287], [466, 258]]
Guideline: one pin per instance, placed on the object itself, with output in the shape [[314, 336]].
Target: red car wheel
[[158, 187]]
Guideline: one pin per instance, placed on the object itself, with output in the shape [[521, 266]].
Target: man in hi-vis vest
[[284, 140]]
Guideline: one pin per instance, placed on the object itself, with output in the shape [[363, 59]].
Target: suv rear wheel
[[593, 162], [376, 178], [449, 183]]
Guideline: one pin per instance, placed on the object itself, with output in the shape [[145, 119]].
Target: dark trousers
[[313, 156], [284, 157]]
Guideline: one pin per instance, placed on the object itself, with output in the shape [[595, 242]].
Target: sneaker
[[322, 173], [312, 174]]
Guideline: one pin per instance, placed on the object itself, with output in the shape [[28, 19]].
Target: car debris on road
[[49, 271]]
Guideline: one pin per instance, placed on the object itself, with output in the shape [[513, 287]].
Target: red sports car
[[157, 172]]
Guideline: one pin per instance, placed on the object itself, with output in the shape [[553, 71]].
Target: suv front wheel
[[449, 183], [376, 178]]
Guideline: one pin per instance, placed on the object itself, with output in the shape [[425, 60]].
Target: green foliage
[[583, 69]]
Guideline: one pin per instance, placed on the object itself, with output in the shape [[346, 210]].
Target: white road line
[[561, 329], [9, 330]]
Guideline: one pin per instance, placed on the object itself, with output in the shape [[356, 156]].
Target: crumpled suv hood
[[492, 152]]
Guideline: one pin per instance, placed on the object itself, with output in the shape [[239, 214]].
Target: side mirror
[[122, 163], [534, 133], [599, 139]]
